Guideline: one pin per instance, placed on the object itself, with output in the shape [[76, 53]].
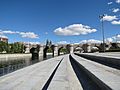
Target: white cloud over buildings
[[107, 40], [113, 39], [3, 36], [75, 29], [90, 41], [62, 42]]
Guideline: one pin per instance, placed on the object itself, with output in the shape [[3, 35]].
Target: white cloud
[[1, 32], [108, 40], [109, 3], [117, 37], [83, 41], [76, 43], [3, 36], [33, 42], [23, 34], [28, 35], [46, 33], [9, 32], [90, 41], [116, 10], [109, 18], [113, 39], [117, 1], [116, 22], [75, 29], [62, 42]]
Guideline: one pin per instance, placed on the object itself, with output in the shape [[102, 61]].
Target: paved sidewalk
[[108, 75], [30, 78], [65, 78], [34, 77]]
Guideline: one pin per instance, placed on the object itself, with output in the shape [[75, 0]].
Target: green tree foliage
[[11, 48], [64, 50], [49, 50], [3, 46], [18, 47]]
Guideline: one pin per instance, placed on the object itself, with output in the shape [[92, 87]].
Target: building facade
[[4, 39]]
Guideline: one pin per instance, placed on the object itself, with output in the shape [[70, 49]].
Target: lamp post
[[102, 27], [116, 38]]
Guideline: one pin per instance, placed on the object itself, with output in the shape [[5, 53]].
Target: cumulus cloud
[[90, 41], [9, 32], [108, 40], [116, 22], [23, 34], [3, 36], [118, 38], [75, 29], [109, 18], [28, 35], [118, 1], [62, 42], [116, 10], [32, 43], [109, 3], [113, 39]]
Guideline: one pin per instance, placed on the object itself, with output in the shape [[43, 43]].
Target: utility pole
[[102, 27]]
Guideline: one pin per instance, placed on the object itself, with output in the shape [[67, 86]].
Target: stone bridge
[[70, 48], [56, 48]]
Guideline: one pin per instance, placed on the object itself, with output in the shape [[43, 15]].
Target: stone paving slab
[[30, 78], [110, 55], [65, 78], [108, 75]]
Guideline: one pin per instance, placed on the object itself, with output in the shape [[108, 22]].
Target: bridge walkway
[[107, 75], [66, 72]]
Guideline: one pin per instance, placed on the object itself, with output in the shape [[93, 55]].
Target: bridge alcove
[[62, 50], [78, 49], [35, 53], [45, 52]]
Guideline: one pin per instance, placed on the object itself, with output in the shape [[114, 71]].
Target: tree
[[3, 46], [18, 47]]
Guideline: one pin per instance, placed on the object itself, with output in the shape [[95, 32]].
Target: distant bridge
[[69, 47]]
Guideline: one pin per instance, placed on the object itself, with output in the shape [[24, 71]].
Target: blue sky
[[58, 20]]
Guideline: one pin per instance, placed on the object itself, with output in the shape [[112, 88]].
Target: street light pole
[[101, 17], [116, 38]]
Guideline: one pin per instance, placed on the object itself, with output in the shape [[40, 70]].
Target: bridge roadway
[[66, 72]]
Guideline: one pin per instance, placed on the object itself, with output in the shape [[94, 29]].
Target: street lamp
[[116, 38], [102, 27]]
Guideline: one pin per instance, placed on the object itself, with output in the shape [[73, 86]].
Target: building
[[4, 39]]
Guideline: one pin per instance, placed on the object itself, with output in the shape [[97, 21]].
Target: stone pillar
[[55, 50], [27, 49], [41, 50], [89, 48], [71, 48]]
